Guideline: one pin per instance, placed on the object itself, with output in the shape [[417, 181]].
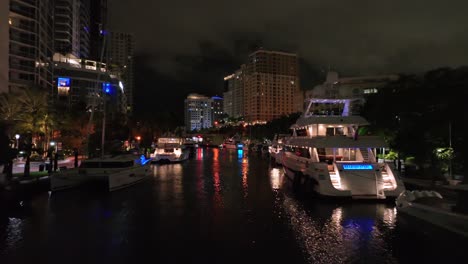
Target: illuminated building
[[271, 85], [82, 82], [198, 112], [217, 108], [26, 44]]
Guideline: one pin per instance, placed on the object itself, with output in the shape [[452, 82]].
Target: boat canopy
[[330, 120], [338, 142]]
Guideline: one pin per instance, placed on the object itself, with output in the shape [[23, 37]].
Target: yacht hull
[[170, 158], [112, 179], [317, 178]]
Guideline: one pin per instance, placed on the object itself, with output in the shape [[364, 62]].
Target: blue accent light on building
[[106, 87], [216, 98], [357, 167]]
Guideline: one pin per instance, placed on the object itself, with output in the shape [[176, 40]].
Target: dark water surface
[[221, 206]]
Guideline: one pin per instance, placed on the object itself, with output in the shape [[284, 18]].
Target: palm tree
[[10, 111]]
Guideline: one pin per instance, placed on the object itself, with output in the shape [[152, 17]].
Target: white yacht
[[112, 173], [326, 155], [276, 148], [170, 150], [234, 143], [429, 206]]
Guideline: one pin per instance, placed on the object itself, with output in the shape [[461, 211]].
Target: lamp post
[[17, 136], [51, 156]]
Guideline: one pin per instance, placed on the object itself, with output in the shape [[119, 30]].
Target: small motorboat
[[431, 207]]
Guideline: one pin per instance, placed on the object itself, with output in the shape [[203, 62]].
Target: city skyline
[[193, 54]]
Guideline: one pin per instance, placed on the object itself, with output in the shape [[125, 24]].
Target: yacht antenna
[[96, 92]]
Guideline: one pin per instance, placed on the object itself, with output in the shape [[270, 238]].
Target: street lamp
[[17, 136], [52, 145]]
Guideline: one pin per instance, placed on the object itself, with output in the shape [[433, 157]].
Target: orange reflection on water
[[245, 172], [215, 154], [218, 200]]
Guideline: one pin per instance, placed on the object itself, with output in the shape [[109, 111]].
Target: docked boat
[[110, 172], [276, 147], [326, 155], [190, 143], [234, 143], [431, 207], [170, 150]]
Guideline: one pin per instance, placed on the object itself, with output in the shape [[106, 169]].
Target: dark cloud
[[355, 37]]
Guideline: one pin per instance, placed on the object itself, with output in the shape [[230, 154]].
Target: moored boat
[[326, 155], [109, 172], [431, 207], [170, 150]]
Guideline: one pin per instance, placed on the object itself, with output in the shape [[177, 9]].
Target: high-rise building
[[227, 106], [217, 109], [28, 43], [198, 112], [271, 85], [67, 27], [85, 21], [234, 94], [97, 28], [4, 45], [120, 47]]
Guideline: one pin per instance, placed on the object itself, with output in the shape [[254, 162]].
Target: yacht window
[[301, 132], [302, 152], [170, 150], [339, 131], [330, 131]]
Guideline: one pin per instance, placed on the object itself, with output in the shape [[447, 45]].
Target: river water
[[221, 206]]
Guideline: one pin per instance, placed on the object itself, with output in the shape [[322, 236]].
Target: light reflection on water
[[276, 178], [14, 232], [217, 197], [331, 234], [220, 206]]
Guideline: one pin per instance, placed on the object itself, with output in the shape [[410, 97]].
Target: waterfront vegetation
[[423, 118]]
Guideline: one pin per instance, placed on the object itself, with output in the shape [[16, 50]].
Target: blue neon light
[[357, 167], [240, 146], [106, 87], [143, 160]]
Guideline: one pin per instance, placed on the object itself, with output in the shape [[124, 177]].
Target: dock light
[[17, 136], [52, 143], [138, 138]]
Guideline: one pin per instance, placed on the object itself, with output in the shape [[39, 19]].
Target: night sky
[[189, 46]]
